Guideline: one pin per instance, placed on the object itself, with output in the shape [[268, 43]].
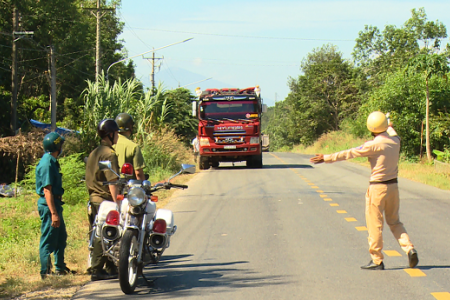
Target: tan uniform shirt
[[383, 153], [129, 152], [95, 177]]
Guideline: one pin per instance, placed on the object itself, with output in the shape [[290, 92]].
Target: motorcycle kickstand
[[148, 282]]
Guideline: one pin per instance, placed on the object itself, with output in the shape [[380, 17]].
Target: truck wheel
[[255, 161], [215, 164], [258, 161], [203, 163], [250, 163]]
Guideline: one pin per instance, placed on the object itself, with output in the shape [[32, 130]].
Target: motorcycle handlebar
[[181, 186], [169, 185]]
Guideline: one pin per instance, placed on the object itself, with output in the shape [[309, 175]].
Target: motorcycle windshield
[[229, 110]]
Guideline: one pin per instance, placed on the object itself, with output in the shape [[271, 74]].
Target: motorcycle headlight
[[136, 196]]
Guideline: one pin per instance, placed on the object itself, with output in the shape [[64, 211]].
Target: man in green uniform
[[49, 188], [108, 132], [128, 151]]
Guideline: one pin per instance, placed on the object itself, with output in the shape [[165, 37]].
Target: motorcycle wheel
[[128, 267]]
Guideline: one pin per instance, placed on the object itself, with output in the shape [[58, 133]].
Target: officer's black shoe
[[103, 275], [373, 266], [66, 271], [413, 258]]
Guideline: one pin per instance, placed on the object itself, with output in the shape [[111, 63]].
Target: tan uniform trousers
[[384, 198]]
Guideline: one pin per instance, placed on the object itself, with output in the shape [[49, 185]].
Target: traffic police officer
[[382, 195], [128, 151], [49, 188], [108, 131]]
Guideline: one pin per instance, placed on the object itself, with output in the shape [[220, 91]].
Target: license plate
[[229, 147]]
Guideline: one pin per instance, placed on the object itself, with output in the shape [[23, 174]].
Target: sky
[[246, 43]]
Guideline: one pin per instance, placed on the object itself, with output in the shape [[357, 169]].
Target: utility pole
[[152, 74], [53, 86], [14, 75], [14, 83], [97, 12]]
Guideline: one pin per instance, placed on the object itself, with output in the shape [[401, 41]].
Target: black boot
[[413, 258], [373, 266]]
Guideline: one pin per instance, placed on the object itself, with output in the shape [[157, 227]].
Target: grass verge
[[19, 248]]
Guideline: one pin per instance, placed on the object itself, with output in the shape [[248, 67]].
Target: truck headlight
[[254, 140], [136, 196], [204, 141]]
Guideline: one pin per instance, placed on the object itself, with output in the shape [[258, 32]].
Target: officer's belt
[[390, 181]]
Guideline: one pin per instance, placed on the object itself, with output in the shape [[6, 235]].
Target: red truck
[[229, 127]]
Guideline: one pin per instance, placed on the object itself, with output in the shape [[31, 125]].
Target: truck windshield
[[229, 110]]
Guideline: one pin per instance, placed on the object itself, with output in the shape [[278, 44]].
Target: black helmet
[[53, 142], [125, 122], [107, 126]]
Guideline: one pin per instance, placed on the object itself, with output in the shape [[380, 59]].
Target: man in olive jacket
[[108, 132], [128, 151]]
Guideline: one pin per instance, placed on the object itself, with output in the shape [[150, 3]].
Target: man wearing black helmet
[[128, 151], [108, 132], [49, 188]]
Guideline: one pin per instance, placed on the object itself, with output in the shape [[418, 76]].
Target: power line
[[244, 36], [134, 33], [241, 64], [18, 48]]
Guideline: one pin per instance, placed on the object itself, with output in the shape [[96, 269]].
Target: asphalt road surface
[[292, 230]]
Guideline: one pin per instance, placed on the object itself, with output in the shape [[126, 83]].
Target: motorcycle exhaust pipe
[[158, 241], [110, 233]]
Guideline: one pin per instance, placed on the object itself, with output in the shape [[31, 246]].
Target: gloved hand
[[318, 159]]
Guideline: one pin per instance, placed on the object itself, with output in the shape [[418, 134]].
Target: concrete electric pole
[[16, 35], [53, 86], [98, 13], [152, 74]]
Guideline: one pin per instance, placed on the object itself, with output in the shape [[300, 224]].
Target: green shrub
[[443, 156], [164, 153], [73, 170]]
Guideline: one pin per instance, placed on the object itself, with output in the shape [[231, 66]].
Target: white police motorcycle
[[134, 234]]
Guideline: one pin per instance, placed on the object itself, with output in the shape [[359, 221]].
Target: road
[[292, 230]]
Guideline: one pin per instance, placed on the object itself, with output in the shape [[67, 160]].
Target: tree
[[321, 98], [429, 65], [179, 115], [72, 31], [379, 53]]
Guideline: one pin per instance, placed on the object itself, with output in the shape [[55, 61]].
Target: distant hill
[[178, 77]]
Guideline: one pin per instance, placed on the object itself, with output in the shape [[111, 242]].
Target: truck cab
[[229, 128]]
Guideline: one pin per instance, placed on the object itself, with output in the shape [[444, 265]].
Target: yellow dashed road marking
[[310, 183], [327, 199], [350, 219], [341, 211], [315, 187], [441, 295], [415, 272], [334, 204], [319, 191], [361, 228], [323, 196], [391, 253]]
